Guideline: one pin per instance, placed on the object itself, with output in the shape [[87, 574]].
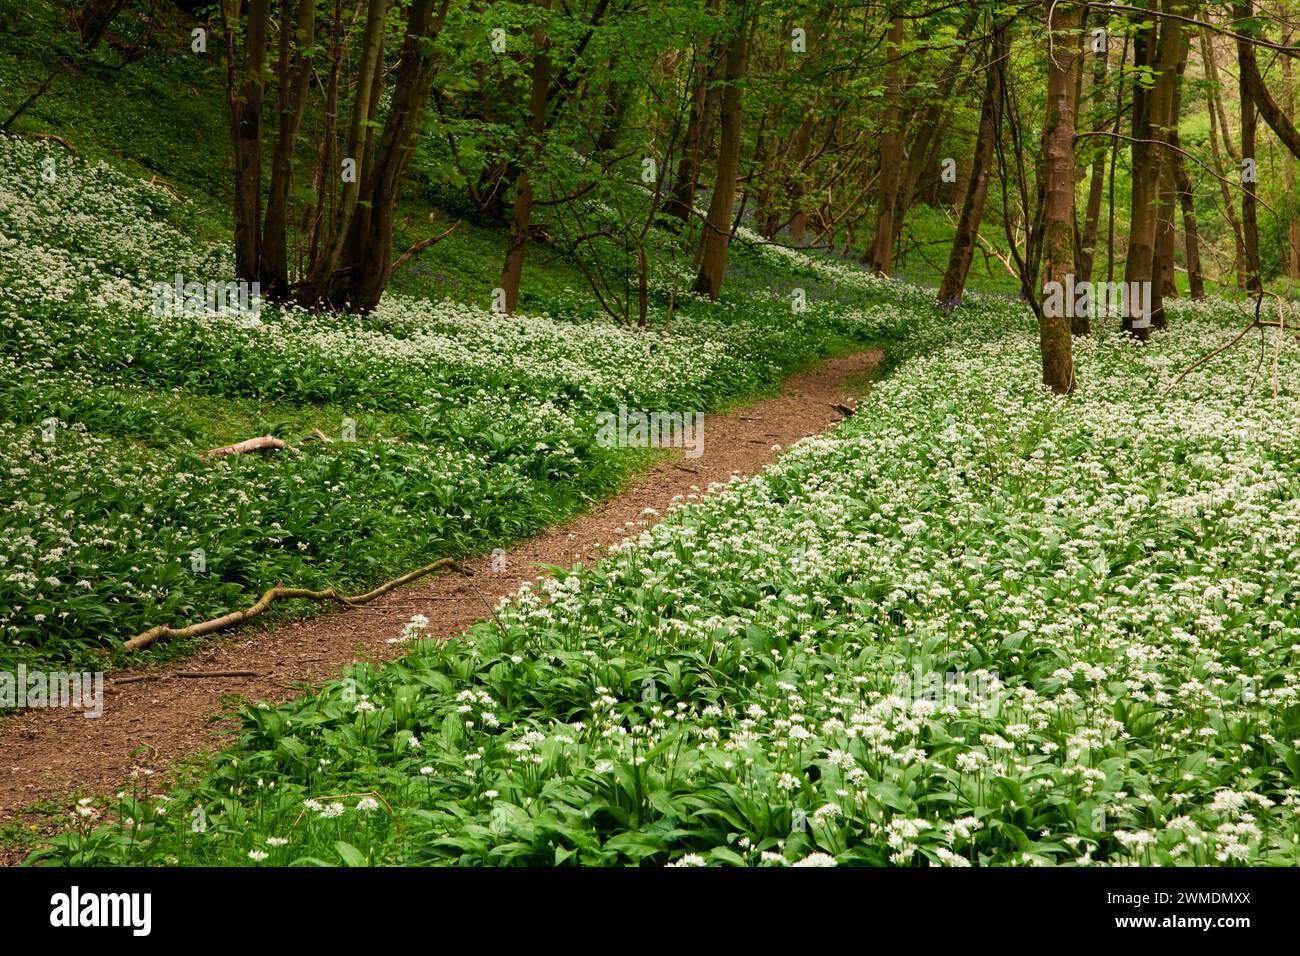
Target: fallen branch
[[50, 136], [252, 444], [39, 91], [1256, 323], [989, 250], [167, 188], [164, 633], [202, 674], [1219, 351], [419, 247]]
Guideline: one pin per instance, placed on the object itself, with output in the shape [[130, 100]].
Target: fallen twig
[[1256, 323], [136, 680], [58, 139], [162, 632], [420, 246], [1205, 358], [202, 674]]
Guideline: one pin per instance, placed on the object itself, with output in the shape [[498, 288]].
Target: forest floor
[[155, 718]]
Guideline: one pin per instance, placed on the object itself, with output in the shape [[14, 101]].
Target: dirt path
[[147, 725]]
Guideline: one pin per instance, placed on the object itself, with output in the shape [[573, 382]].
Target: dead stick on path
[[162, 632], [201, 674]]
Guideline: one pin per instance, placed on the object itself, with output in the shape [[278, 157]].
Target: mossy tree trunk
[[1054, 333]]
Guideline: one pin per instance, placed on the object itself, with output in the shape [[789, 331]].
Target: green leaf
[[350, 855]]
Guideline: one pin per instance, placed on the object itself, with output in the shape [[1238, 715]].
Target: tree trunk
[[929, 131], [1253, 88], [1226, 193], [521, 216], [799, 218], [880, 257], [1289, 180], [1114, 159], [699, 129], [349, 230], [246, 130], [1150, 131], [1096, 185], [1191, 234], [717, 228], [324, 270], [369, 271], [972, 209], [324, 184], [1186, 200], [619, 98], [1249, 202], [1165, 268], [1166, 278], [1058, 208], [295, 71], [94, 18]]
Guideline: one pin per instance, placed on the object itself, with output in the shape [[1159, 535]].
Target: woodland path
[[149, 724]]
